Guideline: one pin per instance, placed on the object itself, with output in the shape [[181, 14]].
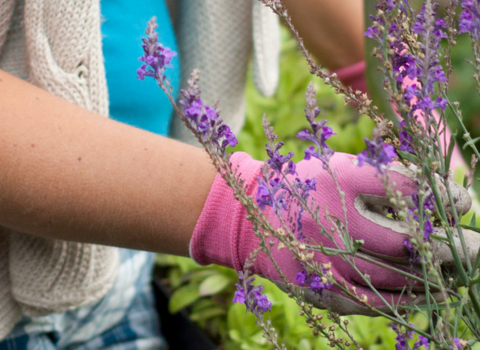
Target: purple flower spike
[[317, 286], [470, 18], [251, 296], [239, 297], [301, 277], [156, 57], [320, 131], [377, 154], [401, 338], [422, 341], [204, 119]]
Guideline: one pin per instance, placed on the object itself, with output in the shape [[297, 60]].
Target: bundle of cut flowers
[[410, 191]]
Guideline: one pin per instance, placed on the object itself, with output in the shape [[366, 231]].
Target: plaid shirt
[[124, 319]]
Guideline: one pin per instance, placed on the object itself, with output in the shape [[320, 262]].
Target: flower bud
[[327, 266]]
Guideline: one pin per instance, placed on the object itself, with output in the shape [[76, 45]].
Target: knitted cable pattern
[[218, 37], [56, 45]]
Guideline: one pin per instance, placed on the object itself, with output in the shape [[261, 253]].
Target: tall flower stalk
[[410, 54]]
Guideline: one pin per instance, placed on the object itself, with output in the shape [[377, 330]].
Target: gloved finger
[[393, 248], [442, 250], [382, 236], [460, 195], [383, 269], [383, 274], [334, 299]]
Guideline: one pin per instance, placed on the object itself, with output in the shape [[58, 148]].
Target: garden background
[[207, 292]]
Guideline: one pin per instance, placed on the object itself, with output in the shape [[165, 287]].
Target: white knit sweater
[[56, 45]]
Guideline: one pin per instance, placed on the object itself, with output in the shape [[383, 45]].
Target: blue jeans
[[125, 319]]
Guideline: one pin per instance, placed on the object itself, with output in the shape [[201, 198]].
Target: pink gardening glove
[[354, 76], [224, 236]]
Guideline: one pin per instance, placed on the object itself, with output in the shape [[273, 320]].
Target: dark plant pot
[[178, 330]]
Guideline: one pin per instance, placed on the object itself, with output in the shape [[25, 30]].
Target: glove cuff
[[223, 235]]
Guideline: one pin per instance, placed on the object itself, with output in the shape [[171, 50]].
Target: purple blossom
[[428, 204], [377, 154], [430, 71], [271, 192], [413, 257], [314, 281], [156, 57], [320, 131], [251, 296], [427, 229], [277, 160], [272, 189], [239, 296], [405, 139], [401, 338], [300, 279], [457, 343], [204, 119], [470, 18], [372, 32], [422, 341], [424, 68]]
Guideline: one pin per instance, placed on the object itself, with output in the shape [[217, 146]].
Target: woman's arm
[[70, 174], [332, 29]]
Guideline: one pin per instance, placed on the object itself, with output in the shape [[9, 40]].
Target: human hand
[[224, 236]]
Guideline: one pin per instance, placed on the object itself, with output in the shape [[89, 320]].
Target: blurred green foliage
[[285, 110]]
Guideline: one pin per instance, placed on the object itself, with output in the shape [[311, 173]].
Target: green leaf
[[471, 142], [408, 156], [439, 238], [183, 297], [258, 338], [425, 307], [473, 222], [214, 285], [357, 244], [235, 335], [304, 345], [206, 314], [476, 264], [473, 228]]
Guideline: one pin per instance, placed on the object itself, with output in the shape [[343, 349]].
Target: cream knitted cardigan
[[56, 45]]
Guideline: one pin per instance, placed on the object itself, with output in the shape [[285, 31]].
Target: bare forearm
[[332, 30], [70, 174]]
